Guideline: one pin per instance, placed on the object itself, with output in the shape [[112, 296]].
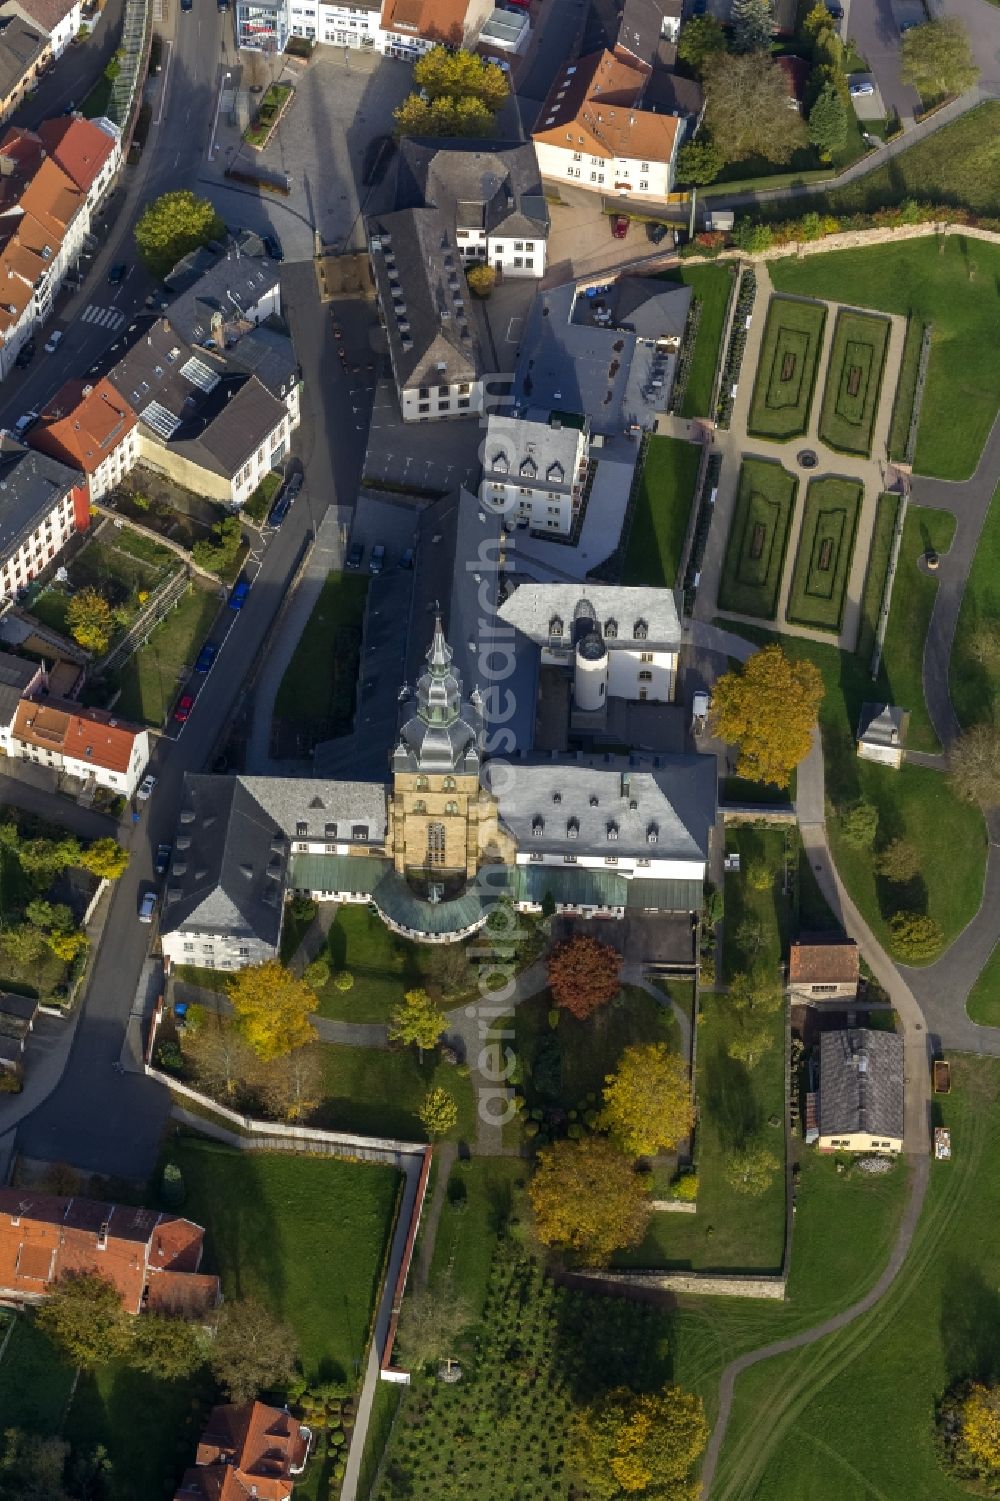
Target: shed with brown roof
[[823, 967]]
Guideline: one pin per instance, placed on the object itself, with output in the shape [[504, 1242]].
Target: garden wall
[[851, 239], [704, 1284]]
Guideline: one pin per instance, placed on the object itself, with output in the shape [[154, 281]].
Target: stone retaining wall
[[701, 1284]]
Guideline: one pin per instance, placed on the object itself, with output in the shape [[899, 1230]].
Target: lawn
[[786, 370], [758, 536], [662, 511], [906, 388], [953, 284], [798, 1427], [983, 1003], [768, 909], [974, 677], [150, 679], [712, 285], [913, 595], [826, 548], [378, 1092], [316, 695], [854, 381], [121, 565], [479, 1201], [886, 509], [307, 1235]]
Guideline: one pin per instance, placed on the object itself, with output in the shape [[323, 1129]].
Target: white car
[[861, 90], [146, 788], [147, 907], [700, 705], [52, 343]]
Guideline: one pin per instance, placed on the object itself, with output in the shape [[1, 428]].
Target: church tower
[[435, 804]]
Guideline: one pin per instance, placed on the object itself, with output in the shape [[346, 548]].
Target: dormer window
[[573, 828], [359, 831], [611, 628], [301, 830], [330, 830], [652, 833], [555, 627], [555, 474], [641, 630], [528, 468], [594, 800], [557, 797], [612, 829], [500, 462], [537, 824]]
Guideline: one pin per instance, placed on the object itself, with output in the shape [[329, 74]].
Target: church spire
[[439, 691], [439, 653]]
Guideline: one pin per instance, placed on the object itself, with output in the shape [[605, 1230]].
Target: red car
[[184, 706], [619, 226]]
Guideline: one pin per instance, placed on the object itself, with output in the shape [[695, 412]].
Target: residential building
[[423, 298], [823, 967], [44, 220], [90, 427], [399, 28], [25, 52], [882, 734], [247, 1449], [355, 25], [20, 677], [44, 503], [490, 197], [151, 1259], [593, 132], [59, 20], [88, 744], [413, 27], [535, 469], [860, 1107], [17, 1020], [647, 33], [88, 151]]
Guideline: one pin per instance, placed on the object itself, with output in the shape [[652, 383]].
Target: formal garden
[[758, 537], [854, 381], [825, 552], [786, 370]]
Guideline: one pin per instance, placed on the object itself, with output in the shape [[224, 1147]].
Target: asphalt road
[[874, 31]]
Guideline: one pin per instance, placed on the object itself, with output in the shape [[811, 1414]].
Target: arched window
[[555, 627], [435, 844], [451, 809], [449, 784], [420, 806], [610, 628], [422, 784]]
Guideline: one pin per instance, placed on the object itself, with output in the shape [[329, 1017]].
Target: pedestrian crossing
[[104, 317]]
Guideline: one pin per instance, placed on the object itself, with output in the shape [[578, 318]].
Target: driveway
[[982, 21], [874, 31]]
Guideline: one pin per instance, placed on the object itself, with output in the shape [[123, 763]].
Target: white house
[[882, 734], [59, 20], [88, 151], [861, 1092], [535, 469], [88, 426], [44, 503], [88, 744], [19, 678]]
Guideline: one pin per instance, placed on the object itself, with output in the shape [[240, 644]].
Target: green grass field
[[953, 284], [758, 536], [906, 388], [801, 1425], [854, 381], [317, 690], [974, 677], [886, 509], [378, 1092], [467, 1234], [826, 547], [662, 511], [983, 1002], [913, 596], [712, 284], [786, 370], [149, 679], [307, 1235]]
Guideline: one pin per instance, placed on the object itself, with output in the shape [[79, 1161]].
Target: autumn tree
[[223, 1061], [751, 1170], [481, 279], [587, 1198], [756, 991], [974, 765], [44, 859], [750, 1046], [768, 709], [431, 1323], [273, 1007], [417, 1021], [644, 1444], [22, 944], [699, 162], [90, 620], [746, 109], [173, 225], [753, 25], [979, 1418], [292, 1086], [251, 1350], [898, 862], [647, 1101], [83, 1315], [443, 117], [169, 1349], [916, 935], [105, 859], [584, 974], [828, 122], [937, 59], [445, 73], [438, 1112], [701, 39]]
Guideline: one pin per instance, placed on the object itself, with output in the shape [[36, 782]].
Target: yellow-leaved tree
[[647, 1101], [588, 1198], [641, 1445], [768, 709], [980, 1419], [417, 1021], [273, 1008]]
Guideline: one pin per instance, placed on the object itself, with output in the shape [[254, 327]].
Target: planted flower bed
[[273, 105]]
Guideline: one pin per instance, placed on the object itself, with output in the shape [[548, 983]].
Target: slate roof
[[226, 289], [823, 959], [883, 724], [21, 45], [584, 806], [641, 30], [638, 305], [861, 1083], [531, 608], [433, 339], [31, 485], [16, 676], [531, 451], [233, 434], [319, 803], [270, 356], [490, 185]]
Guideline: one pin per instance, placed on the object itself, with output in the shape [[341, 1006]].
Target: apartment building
[[88, 151], [88, 744], [44, 503], [535, 470], [25, 54], [58, 20], [398, 28], [89, 427]]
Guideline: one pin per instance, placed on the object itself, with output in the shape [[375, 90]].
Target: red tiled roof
[[437, 20], [83, 423], [819, 960], [79, 147], [257, 1444], [599, 111], [85, 734]]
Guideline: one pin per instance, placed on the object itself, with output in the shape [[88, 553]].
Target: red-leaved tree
[[583, 975]]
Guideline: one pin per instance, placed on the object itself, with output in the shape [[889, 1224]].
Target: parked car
[[861, 90], [23, 423], [187, 4], [147, 906], [25, 354], [271, 243], [223, 6], [163, 853], [238, 598], [700, 705], [657, 233], [145, 789], [206, 657], [184, 706], [279, 510], [619, 226], [376, 562], [53, 342], [118, 272], [355, 556], [836, 11], [406, 561]]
